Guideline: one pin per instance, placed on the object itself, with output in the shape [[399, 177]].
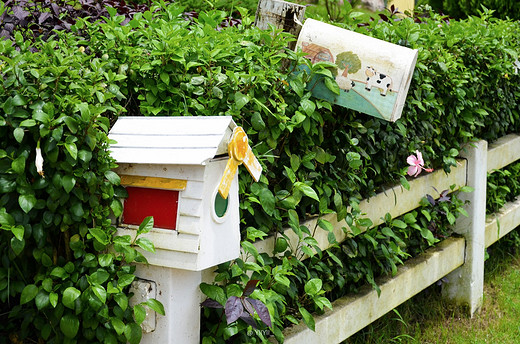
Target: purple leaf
[[43, 17], [19, 12], [55, 8], [249, 320], [233, 309], [444, 197], [430, 199], [261, 310], [211, 304], [384, 17], [250, 287], [248, 306]]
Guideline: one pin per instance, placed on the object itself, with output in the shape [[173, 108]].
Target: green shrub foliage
[[464, 8], [58, 282], [317, 159]]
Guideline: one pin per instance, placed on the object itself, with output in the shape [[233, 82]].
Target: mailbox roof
[[178, 140]]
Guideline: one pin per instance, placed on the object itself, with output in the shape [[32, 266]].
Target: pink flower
[[416, 164]]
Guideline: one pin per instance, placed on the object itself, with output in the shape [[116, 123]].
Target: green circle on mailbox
[[221, 205]]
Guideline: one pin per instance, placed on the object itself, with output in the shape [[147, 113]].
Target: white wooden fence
[[461, 259]]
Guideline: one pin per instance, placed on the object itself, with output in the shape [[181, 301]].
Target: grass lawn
[[427, 318]]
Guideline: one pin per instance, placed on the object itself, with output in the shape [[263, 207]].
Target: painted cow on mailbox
[[379, 80]]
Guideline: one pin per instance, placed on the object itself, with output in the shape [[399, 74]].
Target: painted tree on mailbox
[[349, 62]]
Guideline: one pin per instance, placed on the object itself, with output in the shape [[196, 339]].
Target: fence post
[[465, 286]]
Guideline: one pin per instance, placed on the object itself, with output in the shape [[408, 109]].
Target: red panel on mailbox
[[143, 202]]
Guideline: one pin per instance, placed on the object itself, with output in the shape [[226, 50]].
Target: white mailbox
[[180, 170]]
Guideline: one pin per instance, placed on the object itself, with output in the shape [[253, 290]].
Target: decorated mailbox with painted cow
[[182, 171], [373, 75]]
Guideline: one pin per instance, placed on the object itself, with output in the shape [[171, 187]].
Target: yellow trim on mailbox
[[154, 182]]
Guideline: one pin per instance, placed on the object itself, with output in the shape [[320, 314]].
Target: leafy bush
[[40, 18], [502, 186], [464, 8], [59, 282]]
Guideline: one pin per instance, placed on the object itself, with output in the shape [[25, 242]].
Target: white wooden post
[[179, 292], [465, 285]]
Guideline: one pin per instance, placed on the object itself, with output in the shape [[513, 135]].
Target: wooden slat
[[154, 182], [503, 152], [352, 313], [167, 156], [178, 125], [166, 141], [503, 222]]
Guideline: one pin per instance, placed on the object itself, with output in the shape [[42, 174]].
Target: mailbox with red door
[[182, 171]]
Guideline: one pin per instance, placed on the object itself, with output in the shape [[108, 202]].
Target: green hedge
[[317, 158], [464, 8], [58, 284]]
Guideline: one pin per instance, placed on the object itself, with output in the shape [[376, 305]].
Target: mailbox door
[[143, 202]]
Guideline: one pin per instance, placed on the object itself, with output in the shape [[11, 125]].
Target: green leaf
[[18, 232], [105, 259], [84, 110], [241, 100], [69, 325], [156, 306], [59, 272], [28, 123], [214, 292], [69, 297], [19, 100], [5, 218], [313, 286], [307, 318], [197, 80], [267, 200], [118, 325], [122, 300], [146, 225], [27, 202], [47, 285], [308, 106], [17, 245], [133, 333], [71, 123], [53, 299], [99, 234], [41, 116], [399, 224], [100, 292], [404, 183], [290, 174], [125, 279], [146, 244], [41, 300], [165, 78], [332, 85], [18, 134], [326, 225], [117, 207], [28, 293], [139, 314], [18, 165], [72, 149], [307, 190], [257, 122], [112, 177]]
